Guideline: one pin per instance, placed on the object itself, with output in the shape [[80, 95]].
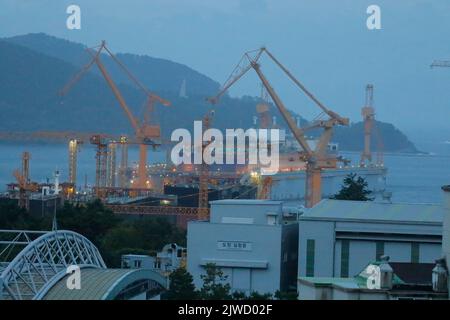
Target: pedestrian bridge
[[33, 266]]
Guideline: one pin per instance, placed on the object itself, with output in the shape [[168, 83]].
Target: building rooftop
[[406, 276], [246, 202], [100, 284], [329, 209]]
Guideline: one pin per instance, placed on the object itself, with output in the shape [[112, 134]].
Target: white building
[[251, 241], [339, 238], [396, 281], [171, 257]]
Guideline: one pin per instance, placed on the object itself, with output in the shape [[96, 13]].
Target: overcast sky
[[325, 43]]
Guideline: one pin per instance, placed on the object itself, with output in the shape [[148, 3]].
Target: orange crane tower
[[144, 132], [368, 114], [316, 159], [23, 181], [204, 169]]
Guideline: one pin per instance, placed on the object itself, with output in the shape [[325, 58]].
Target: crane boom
[[332, 114], [144, 131], [441, 64], [151, 95], [115, 90], [316, 159], [296, 131], [228, 85], [78, 76]]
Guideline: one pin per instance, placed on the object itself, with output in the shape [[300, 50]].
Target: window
[[271, 220], [310, 252], [379, 250], [415, 252], [137, 263], [345, 258]]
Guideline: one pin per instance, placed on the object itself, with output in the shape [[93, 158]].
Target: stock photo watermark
[[262, 148], [73, 21], [373, 22], [73, 281]]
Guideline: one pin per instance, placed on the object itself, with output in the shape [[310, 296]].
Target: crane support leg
[[142, 170], [313, 186], [124, 165]]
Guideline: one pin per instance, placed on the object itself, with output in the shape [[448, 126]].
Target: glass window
[[379, 250], [415, 252], [345, 258], [310, 253]]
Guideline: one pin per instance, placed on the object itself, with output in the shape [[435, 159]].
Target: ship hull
[[291, 185]]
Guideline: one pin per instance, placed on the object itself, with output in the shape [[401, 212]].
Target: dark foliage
[[354, 188], [181, 286]]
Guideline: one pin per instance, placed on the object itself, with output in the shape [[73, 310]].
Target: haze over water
[[411, 178]]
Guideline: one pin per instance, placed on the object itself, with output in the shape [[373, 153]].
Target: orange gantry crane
[[204, 168], [105, 144], [368, 114], [23, 181], [145, 132], [317, 158], [370, 128]]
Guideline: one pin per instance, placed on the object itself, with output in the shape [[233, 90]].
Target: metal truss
[[42, 261]]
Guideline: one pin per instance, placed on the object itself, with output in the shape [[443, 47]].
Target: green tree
[[155, 232], [181, 286], [92, 221], [146, 235], [238, 295], [12, 217], [214, 286], [286, 295], [260, 296], [354, 188]]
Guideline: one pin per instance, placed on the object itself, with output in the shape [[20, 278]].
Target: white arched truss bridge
[[31, 262]]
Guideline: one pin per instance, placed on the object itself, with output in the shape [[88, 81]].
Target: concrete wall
[[397, 239], [246, 211], [257, 268], [446, 230], [323, 234], [360, 254]]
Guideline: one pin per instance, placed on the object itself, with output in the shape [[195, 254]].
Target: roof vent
[[439, 276], [386, 273]]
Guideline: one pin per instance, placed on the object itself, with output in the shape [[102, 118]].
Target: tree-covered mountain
[[385, 137], [156, 74], [34, 67]]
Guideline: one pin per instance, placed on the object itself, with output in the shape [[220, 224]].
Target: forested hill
[[34, 67]]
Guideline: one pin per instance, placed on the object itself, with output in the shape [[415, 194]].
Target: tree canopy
[[181, 286], [354, 188]]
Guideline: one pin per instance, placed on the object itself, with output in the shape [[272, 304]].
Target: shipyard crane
[[262, 109], [370, 128], [204, 168], [105, 168], [440, 64], [144, 131], [368, 114], [317, 158], [23, 181]]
